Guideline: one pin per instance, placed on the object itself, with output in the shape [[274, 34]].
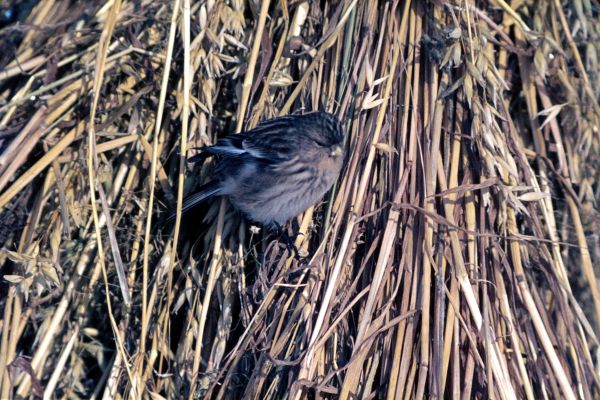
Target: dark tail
[[205, 191], [200, 156]]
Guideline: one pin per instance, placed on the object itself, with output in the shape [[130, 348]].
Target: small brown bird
[[276, 170]]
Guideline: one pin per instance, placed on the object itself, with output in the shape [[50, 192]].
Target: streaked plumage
[[276, 170]]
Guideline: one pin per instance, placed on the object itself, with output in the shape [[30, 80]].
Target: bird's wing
[[230, 146], [273, 148], [272, 141]]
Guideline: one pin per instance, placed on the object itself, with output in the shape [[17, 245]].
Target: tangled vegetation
[[455, 257]]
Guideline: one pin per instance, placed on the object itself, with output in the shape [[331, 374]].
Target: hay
[[453, 258]]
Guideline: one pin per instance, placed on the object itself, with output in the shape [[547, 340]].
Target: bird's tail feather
[[205, 191], [200, 156]]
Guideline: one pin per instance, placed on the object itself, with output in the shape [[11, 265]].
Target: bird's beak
[[336, 151]]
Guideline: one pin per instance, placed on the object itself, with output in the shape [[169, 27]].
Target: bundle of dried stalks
[[453, 258]]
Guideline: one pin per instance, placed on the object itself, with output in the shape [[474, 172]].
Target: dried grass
[[454, 258]]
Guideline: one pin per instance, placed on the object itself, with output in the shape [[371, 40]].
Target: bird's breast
[[282, 191]]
